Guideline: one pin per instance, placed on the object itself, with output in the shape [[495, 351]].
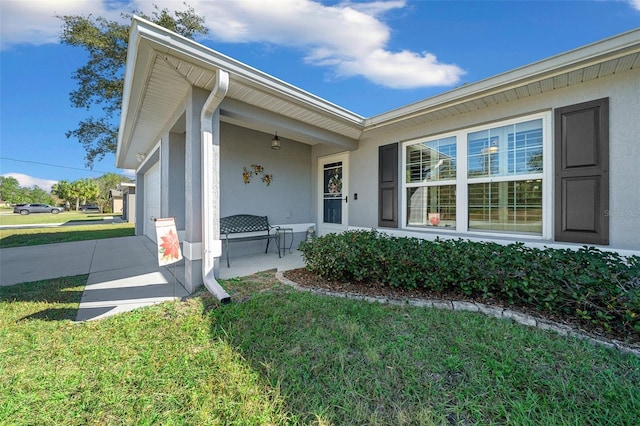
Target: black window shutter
[[388, 186], [582, 173]]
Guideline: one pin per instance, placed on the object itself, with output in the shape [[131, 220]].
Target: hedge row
[[589, 284]]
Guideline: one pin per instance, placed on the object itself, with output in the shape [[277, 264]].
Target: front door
[[333, 191]]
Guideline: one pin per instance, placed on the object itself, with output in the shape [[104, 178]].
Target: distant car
[[89, 208], [25, 209]]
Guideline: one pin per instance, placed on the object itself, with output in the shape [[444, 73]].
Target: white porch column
[[192, 191]]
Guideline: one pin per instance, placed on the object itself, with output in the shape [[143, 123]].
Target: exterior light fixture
[[275, 142], [140, 157]]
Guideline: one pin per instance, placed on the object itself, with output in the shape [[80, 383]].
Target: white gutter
[[211, 244]]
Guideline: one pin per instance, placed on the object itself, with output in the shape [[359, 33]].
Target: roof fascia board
[[140, 60], [181, 47], [132, 54], [582, 57]]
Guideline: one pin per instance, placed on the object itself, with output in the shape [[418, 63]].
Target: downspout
[[211, 244]]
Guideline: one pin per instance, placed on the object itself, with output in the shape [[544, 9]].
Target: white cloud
[[402, 70], [635, 4], [26, 181], [349, 38], [34, 21]]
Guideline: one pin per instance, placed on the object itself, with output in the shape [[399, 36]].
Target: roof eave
[[582, 57], [146, 38]]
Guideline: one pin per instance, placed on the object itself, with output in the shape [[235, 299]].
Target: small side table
[[283, 239]]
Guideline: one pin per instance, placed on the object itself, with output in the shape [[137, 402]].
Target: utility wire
[[54, 165]]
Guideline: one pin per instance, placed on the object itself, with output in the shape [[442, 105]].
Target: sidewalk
[[123, 272]]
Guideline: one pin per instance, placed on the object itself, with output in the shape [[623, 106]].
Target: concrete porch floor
[[241, 266]]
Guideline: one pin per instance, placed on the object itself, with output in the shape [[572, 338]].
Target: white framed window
[[430, 182], [494, 178]]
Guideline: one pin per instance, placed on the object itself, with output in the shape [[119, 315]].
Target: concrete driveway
[[123, 272]]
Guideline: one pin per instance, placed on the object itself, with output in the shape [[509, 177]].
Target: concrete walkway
[[123, 272]]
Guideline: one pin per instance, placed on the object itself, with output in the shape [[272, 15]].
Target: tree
[[87, 190], [10, 190], [101, 80], [106, 183], [64, 191], [39, 195]]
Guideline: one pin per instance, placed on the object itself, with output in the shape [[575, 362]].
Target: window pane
[[483, 148], [432, 206], [506, 206], [505, 151], [431, 161], [525, 148]]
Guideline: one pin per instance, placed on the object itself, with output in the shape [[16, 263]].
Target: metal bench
[[245, 227]]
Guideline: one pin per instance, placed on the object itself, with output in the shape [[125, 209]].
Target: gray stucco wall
[[623, 91], [173, 178], [287, 200]]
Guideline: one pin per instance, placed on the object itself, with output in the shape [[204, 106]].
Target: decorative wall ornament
[[335, 182], [256, 170]]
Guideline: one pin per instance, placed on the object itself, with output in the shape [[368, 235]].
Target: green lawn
[[276, 356], [9, 218], [35, 236]]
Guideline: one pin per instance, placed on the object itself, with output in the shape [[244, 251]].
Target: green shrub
[[602, 288]]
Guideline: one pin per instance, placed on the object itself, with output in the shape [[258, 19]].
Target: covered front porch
[[197, 126], [242, 265]]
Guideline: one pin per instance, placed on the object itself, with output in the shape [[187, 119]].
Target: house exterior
[[546, 154], [128, 192], [115, 201]]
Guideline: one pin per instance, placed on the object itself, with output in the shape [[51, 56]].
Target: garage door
[[151, 200]]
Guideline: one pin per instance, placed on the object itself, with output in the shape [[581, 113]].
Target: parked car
[[89, 208], [36, 208]]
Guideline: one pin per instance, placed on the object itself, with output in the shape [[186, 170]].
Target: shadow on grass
[[60, 297], [53, 314], [68, 235]]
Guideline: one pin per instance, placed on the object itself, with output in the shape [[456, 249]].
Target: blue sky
[[366, 56]]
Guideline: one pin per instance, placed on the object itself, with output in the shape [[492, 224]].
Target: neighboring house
[[115, 201], [546, 154], [128, 191]]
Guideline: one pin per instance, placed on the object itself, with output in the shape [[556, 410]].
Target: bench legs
[[277, 245]]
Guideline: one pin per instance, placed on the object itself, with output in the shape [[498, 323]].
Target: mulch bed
[[304, 278]]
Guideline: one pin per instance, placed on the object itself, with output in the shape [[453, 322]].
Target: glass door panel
[[332, 197]]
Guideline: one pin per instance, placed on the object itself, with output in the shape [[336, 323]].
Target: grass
[[158, 365], [276, 356], [36, 236], [9, 218]]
